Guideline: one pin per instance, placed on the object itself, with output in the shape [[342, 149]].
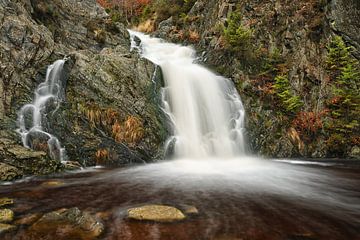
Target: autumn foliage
[[308, 124], [129, 7], [130, 130]]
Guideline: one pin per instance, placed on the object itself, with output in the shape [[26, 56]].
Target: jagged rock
[[6, 201], [71, 165], [355, 152], [71, 223], [6, 215], [4, 228], [25, 153], [157, 213], [344, 18], [9, 173], [101, 73]]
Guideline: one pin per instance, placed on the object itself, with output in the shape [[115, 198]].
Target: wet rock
[[9, 173], [68, 223], [52, 183], [72, 165], [6, 215], [33, 34], [355, 152], [156, 213], [20, 152], [28, 219], [18, 160], [6, 201], [4, 228], [190, 210]]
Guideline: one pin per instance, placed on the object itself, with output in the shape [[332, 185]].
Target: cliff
[[110, 115]]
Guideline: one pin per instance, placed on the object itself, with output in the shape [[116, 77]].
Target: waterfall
[[32, 117], [204, 109]]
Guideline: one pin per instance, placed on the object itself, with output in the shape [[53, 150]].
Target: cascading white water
[[205, 109], [32, 117]]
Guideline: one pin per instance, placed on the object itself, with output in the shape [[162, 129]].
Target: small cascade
[[32, 118], [204, 109]]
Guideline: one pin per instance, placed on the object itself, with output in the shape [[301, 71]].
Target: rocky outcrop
[[110, 115], [290, 40]]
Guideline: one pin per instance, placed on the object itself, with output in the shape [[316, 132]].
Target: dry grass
[[130, 130], [101, 156], [148, 26], [194, 36]]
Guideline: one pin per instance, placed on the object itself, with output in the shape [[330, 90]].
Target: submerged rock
[[6, 228], [52, 183], [190, 210], [6, 215], [68, 224], [6, 201], [157, 213], [28, 219]]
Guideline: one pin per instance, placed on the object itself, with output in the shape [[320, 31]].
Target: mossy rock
[[6, 201], [6, 215]]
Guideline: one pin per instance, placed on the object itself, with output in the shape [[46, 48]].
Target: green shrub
[[237, 37], [290, 102], [344, 104]]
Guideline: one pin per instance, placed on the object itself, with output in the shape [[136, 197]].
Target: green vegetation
[[237, 37], [290, 102], [344, 105], [139, 11]]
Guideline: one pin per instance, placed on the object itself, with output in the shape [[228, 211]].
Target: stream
[[236, 199]]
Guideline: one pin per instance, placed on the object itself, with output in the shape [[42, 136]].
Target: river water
[[248, 199]]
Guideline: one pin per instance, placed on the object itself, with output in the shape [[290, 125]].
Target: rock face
[[156, 213], [8, 173], [110, 115], [283, 42]]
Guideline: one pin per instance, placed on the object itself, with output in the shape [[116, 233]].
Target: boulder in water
[[28, 219], [6, 201], [156, 213], [68, 224], [52, 184], [6, 228], [189, 209], [6, 215]]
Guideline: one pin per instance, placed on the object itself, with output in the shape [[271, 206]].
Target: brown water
[[246, 200]]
